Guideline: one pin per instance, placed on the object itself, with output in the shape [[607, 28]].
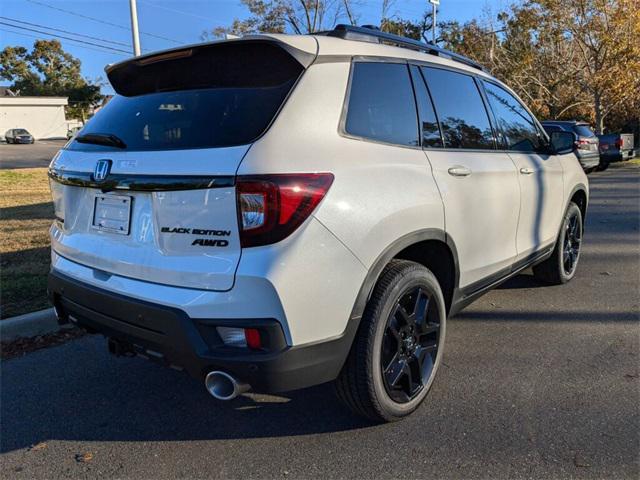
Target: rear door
[[540, 175], [478, 184], [147, 190]]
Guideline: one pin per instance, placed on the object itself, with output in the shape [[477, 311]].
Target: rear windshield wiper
[[107, 139]]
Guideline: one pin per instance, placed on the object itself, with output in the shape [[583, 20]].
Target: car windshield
[[20, 131]]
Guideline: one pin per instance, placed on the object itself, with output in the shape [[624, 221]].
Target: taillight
[[271, 207], [619, 143], [583, 144]]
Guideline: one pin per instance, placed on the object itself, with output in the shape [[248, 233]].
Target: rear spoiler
[[205, 65]]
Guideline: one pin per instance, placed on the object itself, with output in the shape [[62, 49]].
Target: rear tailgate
[[186, 237], [627, 141], [147, 190]]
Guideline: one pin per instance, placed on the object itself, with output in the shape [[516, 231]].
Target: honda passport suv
[[275, 212]]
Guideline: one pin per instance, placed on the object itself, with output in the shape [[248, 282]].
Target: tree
[[288, 16], [48, 70], [607, 37], [567, 58]]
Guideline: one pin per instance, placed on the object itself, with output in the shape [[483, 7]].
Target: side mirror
[[563, 142]]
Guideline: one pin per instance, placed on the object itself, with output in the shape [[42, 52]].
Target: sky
[[164, 23]]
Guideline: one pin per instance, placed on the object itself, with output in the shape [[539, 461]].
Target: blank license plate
[[112, 213]]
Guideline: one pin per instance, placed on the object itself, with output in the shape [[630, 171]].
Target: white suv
[[276, 212]]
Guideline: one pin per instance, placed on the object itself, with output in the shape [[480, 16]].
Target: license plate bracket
[[112, 213]]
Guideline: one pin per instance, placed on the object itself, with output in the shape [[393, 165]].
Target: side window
[[381, 104], [429, 128], [517, 125], [463, 117]]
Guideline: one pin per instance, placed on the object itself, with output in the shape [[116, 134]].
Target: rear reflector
[[271, 207], [252, 336]]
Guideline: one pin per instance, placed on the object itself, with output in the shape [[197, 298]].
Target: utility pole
[[134, 28], [434, 4]]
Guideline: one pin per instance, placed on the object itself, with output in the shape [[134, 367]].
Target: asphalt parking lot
[[29, 156], [537, 382]]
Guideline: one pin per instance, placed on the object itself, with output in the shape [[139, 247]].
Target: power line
[[102, 21], [66, 31], [169, 9], [66, 38], [79, 46]]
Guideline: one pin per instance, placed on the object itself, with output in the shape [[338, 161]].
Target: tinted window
[[515, 123], [187, 119], [381, 104], [584, 131], [428, 122], [463, 117], [552, 128]]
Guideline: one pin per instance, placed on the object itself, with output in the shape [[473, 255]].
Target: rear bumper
[[589, 160], [616, 155], [170, 336]]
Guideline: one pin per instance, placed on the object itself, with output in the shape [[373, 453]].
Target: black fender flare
[[389, 253], [577, 188]]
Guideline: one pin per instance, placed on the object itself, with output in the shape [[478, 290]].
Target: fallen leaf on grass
[[84, 457], [38, 446], [22, 346]]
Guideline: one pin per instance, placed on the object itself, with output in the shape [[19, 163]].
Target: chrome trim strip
[[141, 183]]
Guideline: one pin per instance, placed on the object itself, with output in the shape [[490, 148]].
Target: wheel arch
[[580, 197], [430, 247]]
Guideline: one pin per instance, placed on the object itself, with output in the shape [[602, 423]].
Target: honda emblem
[[102, 170]]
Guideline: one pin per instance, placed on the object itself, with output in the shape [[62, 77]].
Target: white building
[[43, 117]]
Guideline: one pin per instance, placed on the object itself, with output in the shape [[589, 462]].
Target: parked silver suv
[[275, 212], [587, 143]]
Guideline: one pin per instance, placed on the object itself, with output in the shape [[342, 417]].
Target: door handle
[[459, 171], [526, 170]]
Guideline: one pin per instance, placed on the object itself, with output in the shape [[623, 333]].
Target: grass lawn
[[26, 213]]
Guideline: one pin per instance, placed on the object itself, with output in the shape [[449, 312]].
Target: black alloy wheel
[[571, 244], [409, 345]]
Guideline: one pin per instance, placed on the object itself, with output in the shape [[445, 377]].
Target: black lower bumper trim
[[193, 345]]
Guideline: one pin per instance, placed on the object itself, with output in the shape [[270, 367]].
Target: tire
[[407, 295], [603, 166], [554, 270]]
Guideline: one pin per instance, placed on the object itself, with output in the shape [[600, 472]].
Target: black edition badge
[[203, 242]]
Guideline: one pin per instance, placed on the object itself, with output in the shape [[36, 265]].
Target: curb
[[29, 325]]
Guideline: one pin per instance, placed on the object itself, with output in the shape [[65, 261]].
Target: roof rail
[[369, 34]]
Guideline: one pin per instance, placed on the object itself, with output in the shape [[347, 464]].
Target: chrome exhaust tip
[[223, 386]]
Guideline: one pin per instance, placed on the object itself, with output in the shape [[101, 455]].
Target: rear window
[[218, 96], [381, 104], [463, 118], [584, 131]]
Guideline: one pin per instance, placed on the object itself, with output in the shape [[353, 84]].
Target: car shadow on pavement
[[33, 211], [78, 392]]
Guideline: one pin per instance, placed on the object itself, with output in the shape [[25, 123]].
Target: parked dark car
[[18, 135], [587, 142], [615, 147]]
